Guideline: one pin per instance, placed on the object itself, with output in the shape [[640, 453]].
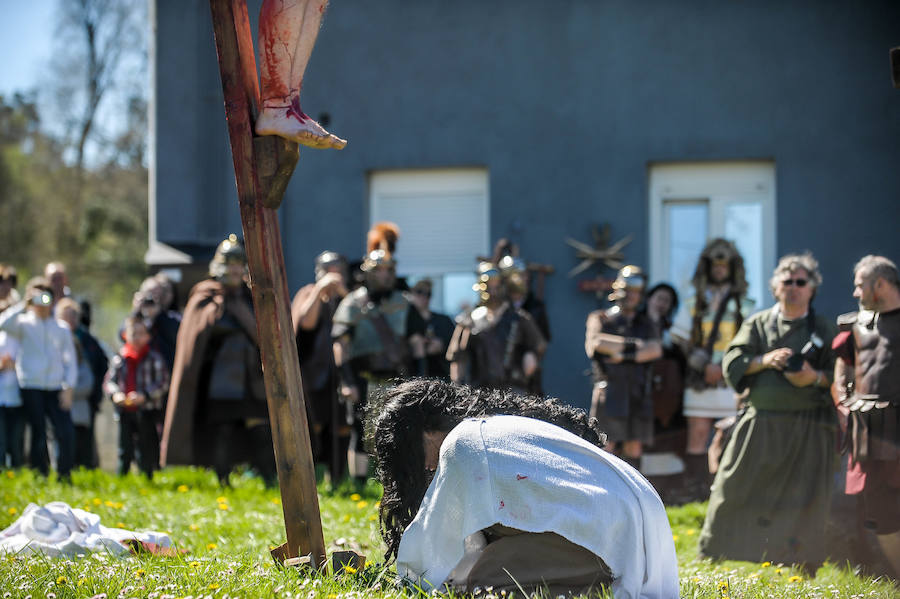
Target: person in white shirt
[[484, 488], [47, 371], [12, 421]]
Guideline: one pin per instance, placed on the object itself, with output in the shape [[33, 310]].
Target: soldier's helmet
[[327, 260], [513, 270], [484, 273], [628, 277], [377, 258], [230, 251]]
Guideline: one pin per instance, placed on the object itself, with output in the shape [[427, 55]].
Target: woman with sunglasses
[[771, 493]]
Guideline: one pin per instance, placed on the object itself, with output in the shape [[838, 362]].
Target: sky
[[26, 38]]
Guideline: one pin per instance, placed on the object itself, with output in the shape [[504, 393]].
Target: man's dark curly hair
[[405, 412]]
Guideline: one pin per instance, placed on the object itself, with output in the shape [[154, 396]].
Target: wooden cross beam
[[262, 168]]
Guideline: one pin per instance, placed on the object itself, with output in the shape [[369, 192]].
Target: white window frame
[[718, 184], [428, 186]]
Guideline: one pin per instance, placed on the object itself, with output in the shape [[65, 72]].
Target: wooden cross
[[263, 168]]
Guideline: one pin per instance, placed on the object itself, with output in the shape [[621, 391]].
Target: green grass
[[226, 535]]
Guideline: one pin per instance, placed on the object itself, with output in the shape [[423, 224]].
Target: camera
[[145, 300], [44, 298], [808, 354]]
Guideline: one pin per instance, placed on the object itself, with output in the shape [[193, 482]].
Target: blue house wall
[[566, 103]]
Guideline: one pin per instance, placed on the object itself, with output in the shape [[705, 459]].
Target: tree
[[73, 187], [101, 50]]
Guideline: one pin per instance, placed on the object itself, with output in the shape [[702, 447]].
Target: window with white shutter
[[443, 215]]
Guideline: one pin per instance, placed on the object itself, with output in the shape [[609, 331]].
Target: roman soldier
[[621, 342], [377, 336], [497, 345], [867, 386], [312, 312]]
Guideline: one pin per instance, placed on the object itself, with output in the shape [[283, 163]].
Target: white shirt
[[9, 383], [46, 352], [537, 477]]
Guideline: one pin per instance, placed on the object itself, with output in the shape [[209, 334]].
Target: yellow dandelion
[[97, 501], [194, 565], [276, 500], [695, 579], [109, 503], [194, 527], [221, 499], [690, 531], [118, 505], [87, 508], [182, 488], [10, 474], [12, 511], [355, 497], [211, 546], [362, 504], [349, 569], [346, 518], [223, 506], [81, 582], [766, 564], [372, 518], [675, 538], [139, 573], [120, 524], [212, 586], [777, 570], [377, 504], [795, 578], [61, 580]]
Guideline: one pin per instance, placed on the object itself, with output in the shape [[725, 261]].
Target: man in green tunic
[[771, 494]]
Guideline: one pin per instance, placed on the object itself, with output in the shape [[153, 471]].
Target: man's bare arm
[[307, 307]]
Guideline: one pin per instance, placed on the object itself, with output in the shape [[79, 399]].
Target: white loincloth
[[59, 530], [537, 477], [717, 402]]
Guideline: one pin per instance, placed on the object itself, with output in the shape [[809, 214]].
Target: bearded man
[[867, 384], [704, 327]]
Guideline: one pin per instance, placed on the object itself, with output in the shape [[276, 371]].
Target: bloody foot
[[290, 122]]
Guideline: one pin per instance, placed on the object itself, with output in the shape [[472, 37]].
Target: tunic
[[493, 348], [771, 494], [870, 344], [622, 399], [709, 402]]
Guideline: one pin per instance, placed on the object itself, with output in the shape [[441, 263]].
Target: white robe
[[537, 477], [59, 530]]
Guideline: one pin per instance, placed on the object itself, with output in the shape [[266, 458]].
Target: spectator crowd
[[753, 401]]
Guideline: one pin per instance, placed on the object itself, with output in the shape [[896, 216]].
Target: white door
[[691, 203], [443, 220]]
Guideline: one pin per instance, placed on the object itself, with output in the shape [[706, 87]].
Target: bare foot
[[291, 123]]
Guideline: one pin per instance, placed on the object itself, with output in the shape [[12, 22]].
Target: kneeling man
[[484, 488]]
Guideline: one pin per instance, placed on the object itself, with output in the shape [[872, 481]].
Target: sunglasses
[[797, 282]]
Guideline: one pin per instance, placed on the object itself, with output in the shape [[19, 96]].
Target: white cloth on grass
[[59, 530], [537, 477]]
